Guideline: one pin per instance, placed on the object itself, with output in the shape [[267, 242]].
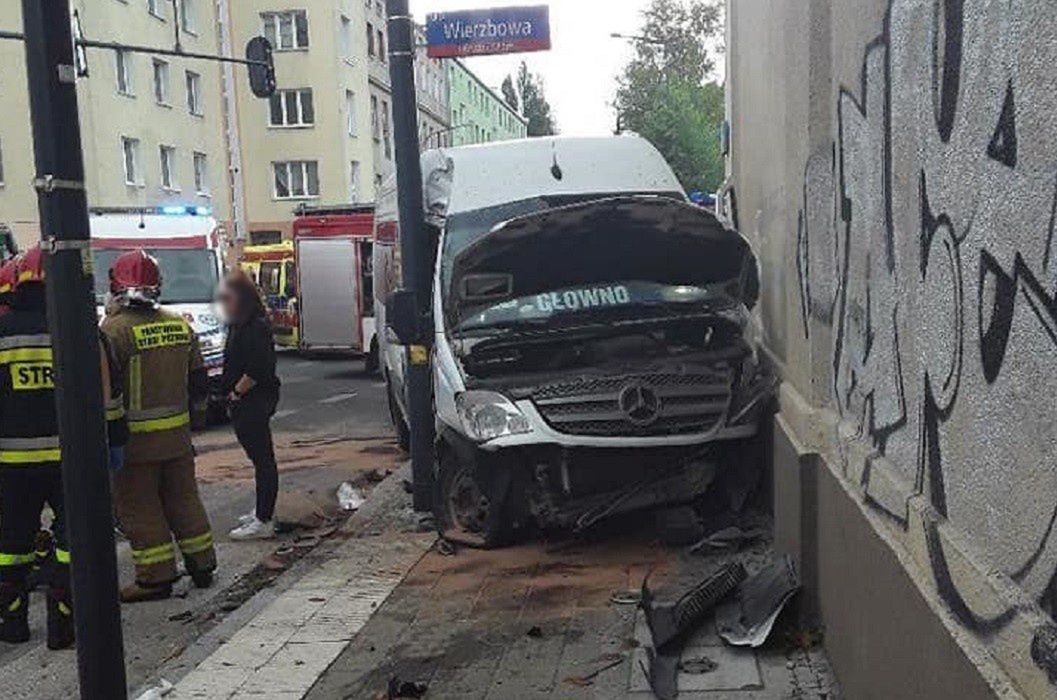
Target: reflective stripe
[[135, 383], [30, 456], [62, 556], [37, 443], [115, 413], [40, 340], [194, 545], [25, 355], [153, 555], [16, 559], [159, 424]]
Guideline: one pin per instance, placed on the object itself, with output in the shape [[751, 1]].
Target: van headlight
[[486, 415]]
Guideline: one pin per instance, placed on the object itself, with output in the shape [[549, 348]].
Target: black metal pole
[[75, 343], [414, 247]]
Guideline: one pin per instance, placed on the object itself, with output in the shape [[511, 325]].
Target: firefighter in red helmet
[[30, 458], [155, 492]]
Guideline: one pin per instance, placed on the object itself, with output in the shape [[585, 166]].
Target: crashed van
[[592, 334]]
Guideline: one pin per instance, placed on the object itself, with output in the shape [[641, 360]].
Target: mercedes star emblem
[[640, 404]]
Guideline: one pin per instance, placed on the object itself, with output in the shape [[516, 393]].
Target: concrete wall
[[895, 163]]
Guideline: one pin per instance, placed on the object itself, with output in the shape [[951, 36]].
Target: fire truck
[[335, 280], [274, 269]]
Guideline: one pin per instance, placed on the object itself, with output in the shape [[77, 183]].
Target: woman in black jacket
[[253, 390]]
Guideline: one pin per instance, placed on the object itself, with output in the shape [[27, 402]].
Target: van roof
[[466, 178], [153, 231]]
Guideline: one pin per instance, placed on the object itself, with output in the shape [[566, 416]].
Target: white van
[[590, 351]]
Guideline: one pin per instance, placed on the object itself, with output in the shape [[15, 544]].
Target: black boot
[[14, 613], [202, 579], [60, 619]]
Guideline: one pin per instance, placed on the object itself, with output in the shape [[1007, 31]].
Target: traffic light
[[261, 67]]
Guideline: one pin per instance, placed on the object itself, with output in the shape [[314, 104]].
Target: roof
[[150, 226], [586, 165]]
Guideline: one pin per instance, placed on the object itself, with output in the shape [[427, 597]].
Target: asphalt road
[[330, 406]]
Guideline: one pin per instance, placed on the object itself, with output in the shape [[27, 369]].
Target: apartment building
[[152, 127], [431, 87], [478, 113]]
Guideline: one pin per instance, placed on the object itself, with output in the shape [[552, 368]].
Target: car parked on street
[[591, 334]]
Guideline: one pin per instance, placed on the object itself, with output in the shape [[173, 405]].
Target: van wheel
[[463, 510], [403, 432], [371, 362]]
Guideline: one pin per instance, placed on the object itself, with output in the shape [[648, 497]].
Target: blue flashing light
[[185, 211]]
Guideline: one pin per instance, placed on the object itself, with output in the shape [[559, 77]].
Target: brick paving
[[536, 621]]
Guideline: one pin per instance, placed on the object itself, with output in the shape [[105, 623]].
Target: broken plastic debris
[[405, 689], [728, 538], [350, 498], [156, 692], [748, 618], [625, 597], [668, 621], [697, 666]]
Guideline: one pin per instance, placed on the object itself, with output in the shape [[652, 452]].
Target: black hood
[[635, 238]]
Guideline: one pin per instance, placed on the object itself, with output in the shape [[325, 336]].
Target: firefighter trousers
[[23, 493], [156, 503]]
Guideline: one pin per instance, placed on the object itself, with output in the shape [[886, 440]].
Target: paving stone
[[736, 669]]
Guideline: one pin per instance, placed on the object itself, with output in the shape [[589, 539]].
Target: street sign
[[487, 32]]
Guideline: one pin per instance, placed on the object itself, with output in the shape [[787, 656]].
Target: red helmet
[[29, 267], [8, 275], [135, 270]]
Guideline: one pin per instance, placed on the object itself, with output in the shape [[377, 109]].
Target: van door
[[329, 294]]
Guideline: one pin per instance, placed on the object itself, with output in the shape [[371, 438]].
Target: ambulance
[[189, 244]]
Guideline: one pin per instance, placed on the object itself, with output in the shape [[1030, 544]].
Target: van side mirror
[[401, 316]]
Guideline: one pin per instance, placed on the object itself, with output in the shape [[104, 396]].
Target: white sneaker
[[253, 530], [247, 517]]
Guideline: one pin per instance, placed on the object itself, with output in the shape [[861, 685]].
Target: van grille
[[637, 405]]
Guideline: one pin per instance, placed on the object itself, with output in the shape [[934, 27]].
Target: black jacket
[[250, 351]]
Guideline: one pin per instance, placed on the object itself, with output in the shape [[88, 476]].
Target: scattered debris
[[350, 498], [728, 539], [698, 666], [273, 562], [747, 619], [535, 632], [181, 617], [668, 621], [408, 486], [444, 547], [663, 673], [405, 689], [625, 597], [589, 679], [295, 510], [163, 688], [678, 527], [378, 475]]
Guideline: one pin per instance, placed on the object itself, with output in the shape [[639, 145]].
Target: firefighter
[[30, 459], [155, 492]]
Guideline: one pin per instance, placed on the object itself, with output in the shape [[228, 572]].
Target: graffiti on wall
[[925, 252]]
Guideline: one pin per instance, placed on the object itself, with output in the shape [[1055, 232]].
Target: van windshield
[[466, 228], [188, 276]]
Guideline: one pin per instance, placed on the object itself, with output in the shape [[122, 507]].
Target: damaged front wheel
[[467, 511]]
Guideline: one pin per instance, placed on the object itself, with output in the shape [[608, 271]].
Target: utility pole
[[72, 322], [414, 247]]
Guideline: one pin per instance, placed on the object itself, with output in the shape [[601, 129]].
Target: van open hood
[[633, 238]]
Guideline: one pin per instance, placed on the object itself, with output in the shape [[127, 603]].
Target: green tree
[[534, 105], [665, 95], [510, 94]]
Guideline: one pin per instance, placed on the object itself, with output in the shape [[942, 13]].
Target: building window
[[350, 112], [130, 154], [370, 40], [124, 72], [381, 46], [188, 21], [168, 167], [346, 37], [194, 93], [292, 108], [156, 8], [376, 131], [286, 31], [354, 181], [296, 179], [161, 82], [201, 167], [387, 144]]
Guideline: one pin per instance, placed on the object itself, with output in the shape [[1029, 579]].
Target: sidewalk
[[533, 621]]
